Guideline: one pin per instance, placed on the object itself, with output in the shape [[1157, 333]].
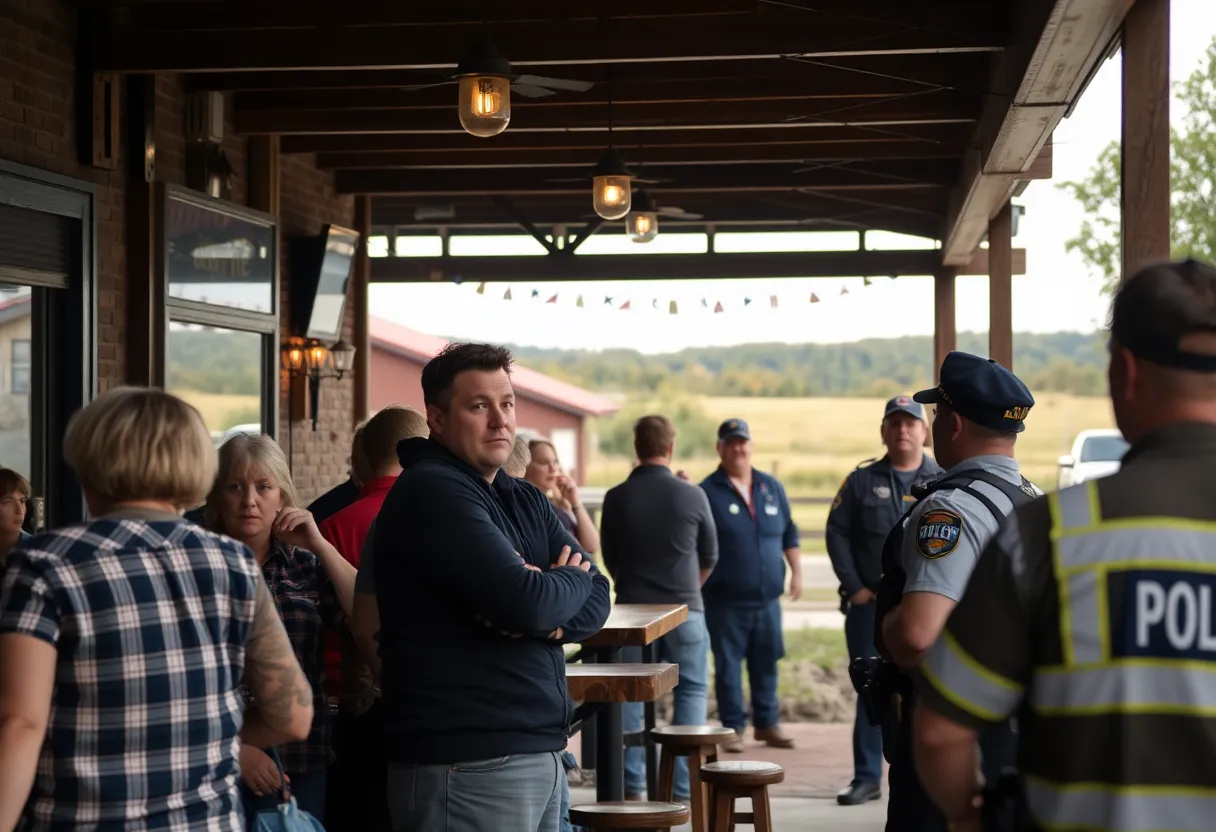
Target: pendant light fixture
[[612, 189], [485, 90], [642, 224]]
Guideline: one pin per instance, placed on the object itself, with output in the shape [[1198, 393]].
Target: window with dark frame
[[21, 363], [221, 292]]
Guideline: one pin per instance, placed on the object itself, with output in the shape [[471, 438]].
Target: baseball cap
[[733, 428], [904, 404]]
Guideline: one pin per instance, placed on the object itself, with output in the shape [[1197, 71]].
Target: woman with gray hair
[[254, 500], [123, 640]]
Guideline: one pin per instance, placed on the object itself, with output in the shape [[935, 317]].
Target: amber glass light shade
[[611, 196], [485, 104], [642, 226]]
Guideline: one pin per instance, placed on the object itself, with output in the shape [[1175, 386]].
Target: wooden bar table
[[628, 625]]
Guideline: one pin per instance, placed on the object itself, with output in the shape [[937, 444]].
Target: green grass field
[[812, 444], [221, 411]]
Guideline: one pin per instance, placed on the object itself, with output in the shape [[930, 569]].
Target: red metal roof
[[528, 383]]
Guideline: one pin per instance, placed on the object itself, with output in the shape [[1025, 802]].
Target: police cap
[[982, 391]]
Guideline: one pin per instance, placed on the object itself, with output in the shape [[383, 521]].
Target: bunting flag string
[[715, 305]]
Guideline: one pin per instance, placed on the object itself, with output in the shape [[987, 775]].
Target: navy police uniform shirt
[[751, 539], [871, 500]]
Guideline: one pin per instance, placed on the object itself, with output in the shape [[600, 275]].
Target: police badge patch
[[937, 533]]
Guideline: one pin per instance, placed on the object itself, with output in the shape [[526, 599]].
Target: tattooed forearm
[[279, 693]]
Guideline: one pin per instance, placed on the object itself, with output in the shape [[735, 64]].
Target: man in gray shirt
[[659, 545]]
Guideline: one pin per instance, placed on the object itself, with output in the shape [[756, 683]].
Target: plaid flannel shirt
[[308, 604], [149, 618]]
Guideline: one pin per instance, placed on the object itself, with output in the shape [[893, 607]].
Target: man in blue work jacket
[[871, 500], [756, 538]]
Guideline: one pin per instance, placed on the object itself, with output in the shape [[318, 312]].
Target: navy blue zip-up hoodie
[[446, 544]]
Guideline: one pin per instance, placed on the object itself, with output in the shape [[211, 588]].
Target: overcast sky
[[1056, 293]]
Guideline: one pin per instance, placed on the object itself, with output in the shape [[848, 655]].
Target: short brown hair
[[440, 372], [384, 430], [652, 436], [11, 481], [141, 443]]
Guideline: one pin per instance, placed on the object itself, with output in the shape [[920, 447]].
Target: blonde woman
[[545, 472], [124, 640], [254, 500]]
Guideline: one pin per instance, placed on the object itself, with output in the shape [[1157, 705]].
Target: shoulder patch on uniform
[[938, 532], [839, 494]]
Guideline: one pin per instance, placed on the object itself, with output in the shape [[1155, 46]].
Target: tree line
[[1069, 362]]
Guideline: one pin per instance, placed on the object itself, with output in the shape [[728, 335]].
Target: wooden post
[[1000, 287], [361, 275], [264, 174], [945, 334], [145, 295], [1146, 134]]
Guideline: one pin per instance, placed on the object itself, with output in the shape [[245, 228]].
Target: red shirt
[[346, 530]]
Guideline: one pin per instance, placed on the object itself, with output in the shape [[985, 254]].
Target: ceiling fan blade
[[678, 213], [530, 91], [650, 181], [571, 179], [555, 83], [412, 87]]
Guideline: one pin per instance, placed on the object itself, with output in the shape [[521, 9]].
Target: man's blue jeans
[[688, 647], [520, 793], [867, 739], [751, 631]]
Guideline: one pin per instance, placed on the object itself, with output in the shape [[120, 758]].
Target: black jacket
[[869, 503], [455, 689]]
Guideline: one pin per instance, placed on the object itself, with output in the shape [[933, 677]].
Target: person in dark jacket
[[757, 538], [869, 503], [478, 587]]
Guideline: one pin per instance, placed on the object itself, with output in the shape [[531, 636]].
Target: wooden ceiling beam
[[876, 176], [950, 137], [901, 72], [218, 15], [730, 154], [932, 107], [1056, 47], [649, 40], [559, 267]]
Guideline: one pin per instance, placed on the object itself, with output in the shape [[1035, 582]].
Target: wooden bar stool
[[745, 778], [693, 742], [598, 817]]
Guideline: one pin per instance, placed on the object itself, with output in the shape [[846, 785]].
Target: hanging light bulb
[[642, 224], [612, 190], [485, 91]]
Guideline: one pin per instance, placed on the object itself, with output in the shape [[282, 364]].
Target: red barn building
[[545, 406]]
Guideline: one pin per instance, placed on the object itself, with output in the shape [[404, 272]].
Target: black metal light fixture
[[612, 188], [311, 361], [484, 99]]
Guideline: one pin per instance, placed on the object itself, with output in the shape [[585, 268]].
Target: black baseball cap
[[904, 404], [981, 390], [732, 429]]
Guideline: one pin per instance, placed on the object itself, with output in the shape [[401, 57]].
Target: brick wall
[[37, 128]]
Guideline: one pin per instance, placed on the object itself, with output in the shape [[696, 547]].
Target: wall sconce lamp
[[309, 362]]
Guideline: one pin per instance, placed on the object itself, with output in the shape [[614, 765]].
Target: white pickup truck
[[1095, 453]]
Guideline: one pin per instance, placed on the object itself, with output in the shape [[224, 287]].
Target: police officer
[[980, 409], [869, 503], [1090, 614]]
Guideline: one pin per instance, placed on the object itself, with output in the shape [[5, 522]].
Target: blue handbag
[[287, 816]]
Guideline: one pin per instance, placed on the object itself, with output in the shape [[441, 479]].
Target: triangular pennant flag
[[536, 293], [671, 307], [747, 301], [772, 301], [718, 307], [654, 303], [844, 290], [625, 305], [865, 281], [608, 301], [579, 302], [552, 299], [507, 294], [457, 279], [704, 302], [814, 298], [481, 288]]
